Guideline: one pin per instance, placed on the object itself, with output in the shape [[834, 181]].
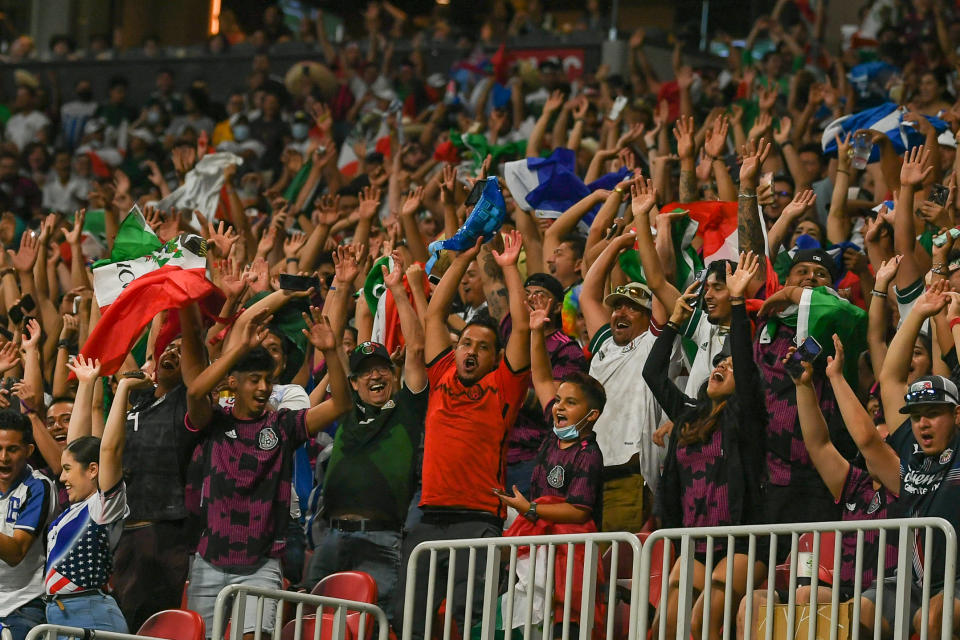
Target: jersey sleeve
[[512, 389], [600, 338], [294, 426], [110, 505], [439, 366], [32, 516]]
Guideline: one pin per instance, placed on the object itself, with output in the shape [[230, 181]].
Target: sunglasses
[[928, 395], [633, 292]]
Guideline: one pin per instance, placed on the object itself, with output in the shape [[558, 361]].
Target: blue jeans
[[95, 611], [373, 552], [21, 620], [520, 474]]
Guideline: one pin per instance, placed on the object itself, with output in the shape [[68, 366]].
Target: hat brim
[[905, 409], [612, 298], [358, 366]]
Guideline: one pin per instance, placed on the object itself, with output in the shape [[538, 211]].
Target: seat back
[[348, 585], [308, 628], [174, 624]]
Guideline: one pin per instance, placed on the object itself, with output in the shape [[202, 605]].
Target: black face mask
[[86, 95]]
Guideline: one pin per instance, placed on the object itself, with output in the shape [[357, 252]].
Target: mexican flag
[[688, 261], [716, 226], [142, 278], [386, 320]]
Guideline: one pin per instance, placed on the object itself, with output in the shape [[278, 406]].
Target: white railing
[[231, 605], [905, 529], [54, 631], [535, 623]]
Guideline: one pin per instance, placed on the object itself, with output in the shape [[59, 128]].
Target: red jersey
[[466, 434]]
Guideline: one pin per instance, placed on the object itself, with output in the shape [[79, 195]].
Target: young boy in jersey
[[246, 461]]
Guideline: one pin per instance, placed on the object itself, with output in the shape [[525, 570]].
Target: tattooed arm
[[686, 147], [749, 223], [494, 287]]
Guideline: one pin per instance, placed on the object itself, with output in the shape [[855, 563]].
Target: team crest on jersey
[[874, 504], [267, 439], [232, 434], [555, 477], [946, 455]]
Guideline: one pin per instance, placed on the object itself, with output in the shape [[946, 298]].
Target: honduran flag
[[886, 118], [486, 219], [142, 278], [549, 186]]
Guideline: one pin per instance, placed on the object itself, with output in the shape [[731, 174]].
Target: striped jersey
[[81, 541]]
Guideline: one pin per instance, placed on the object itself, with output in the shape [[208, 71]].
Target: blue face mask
[[241, 132], [300, 130], [153, 116], [570, 432]]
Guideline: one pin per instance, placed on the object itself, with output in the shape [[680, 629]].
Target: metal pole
[[704, 19], [614, 11]]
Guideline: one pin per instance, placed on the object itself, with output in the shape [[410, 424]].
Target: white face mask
[[570, 432]]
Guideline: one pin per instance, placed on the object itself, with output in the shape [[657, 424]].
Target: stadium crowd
[[481, 303]]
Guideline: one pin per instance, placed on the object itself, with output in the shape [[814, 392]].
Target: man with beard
[[155, 543], [476, 391], [369, 481]]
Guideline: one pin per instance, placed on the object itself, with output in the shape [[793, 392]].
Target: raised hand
[[512, 243], [835, 362], [86, 369], [369, 203], [914, 169], [747, 267], [933, 300], [642, 198], [782, 136], [683, 308], [346, 264], [9, 356], [267, 241], [24, 258], [886, 272], [767, 97], [221, 238], [258, 275], [716, 141], [554, 102], [71, 324], [293, 243], [844, 151], [802, 201], [683, 131], [233, 280], [631, 135], [31, 337], [393, 279], [448, 181], [318, 331], [327, 211], [411, 202], [75, 233], [753, 158], [761, 125]]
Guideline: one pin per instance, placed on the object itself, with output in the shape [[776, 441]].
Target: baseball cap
[[548, 282], [930, 390], [635, 292], [818, 256], [366, 351]]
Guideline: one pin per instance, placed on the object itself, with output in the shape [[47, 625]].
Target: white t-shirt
[[64, 198], [22, 128], [29, 506], [631, 414]]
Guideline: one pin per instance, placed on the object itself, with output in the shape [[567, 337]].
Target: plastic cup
[[862, 147]]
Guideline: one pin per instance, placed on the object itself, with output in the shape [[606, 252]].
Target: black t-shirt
[[156, 454], [929, 487]]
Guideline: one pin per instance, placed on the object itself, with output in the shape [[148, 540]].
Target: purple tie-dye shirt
[[705, 493], [243, 486], [860, 501]]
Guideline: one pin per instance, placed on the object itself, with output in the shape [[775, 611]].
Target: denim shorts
[[94, 611], [21, 620], [207, 581]]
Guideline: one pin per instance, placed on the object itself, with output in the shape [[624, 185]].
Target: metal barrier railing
[[54, 631], [534, 548], [907, 532], [231, 605]]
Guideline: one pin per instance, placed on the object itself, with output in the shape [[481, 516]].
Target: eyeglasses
[[377, 368]]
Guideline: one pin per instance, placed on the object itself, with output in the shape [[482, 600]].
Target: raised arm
[[686, 148], [592, 292], [346, 264], [801, 203], [568, 220], [831, 466], [88, 374], [321, 336], [115, 433], [882, 461], [518, 344], [879, 315], [414, 365], [541, 371], [896, 366], [643, 197], [838, 222], [536, 136], [437, 334], [749, 225], [912, 174]]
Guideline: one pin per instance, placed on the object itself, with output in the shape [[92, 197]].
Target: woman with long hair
[[712, 474]]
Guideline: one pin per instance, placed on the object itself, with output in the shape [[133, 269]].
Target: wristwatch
[[531, 513]]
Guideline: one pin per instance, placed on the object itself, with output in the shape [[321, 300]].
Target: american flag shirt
[[81, 541]]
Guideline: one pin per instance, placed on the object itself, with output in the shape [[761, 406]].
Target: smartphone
[[767, 178], [701, 277], [433, 279], [939, 194], [16, 314], [806, 352], [134, 374], [8, 383], [76, 305], [475, 193], [298, 283], [27, 303]]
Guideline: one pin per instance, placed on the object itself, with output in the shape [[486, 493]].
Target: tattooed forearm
[[498, 303], [688, 185], [750, 234]]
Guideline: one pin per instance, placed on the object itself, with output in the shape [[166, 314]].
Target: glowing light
[[214, 16]]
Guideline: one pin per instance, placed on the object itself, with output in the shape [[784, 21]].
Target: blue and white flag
[[549, 186], [486, 219], [886, 118]]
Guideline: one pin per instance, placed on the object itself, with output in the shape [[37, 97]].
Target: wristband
[[289, 260], [787, 143], [618, 190], [954, 322], [673, 325], [65, 344], [843, 171], [747, 195], [735, 298], [879, 294]]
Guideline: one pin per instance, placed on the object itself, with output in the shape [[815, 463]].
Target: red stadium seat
[[625, 566], [174, 624], [826, 564], [348, 585]]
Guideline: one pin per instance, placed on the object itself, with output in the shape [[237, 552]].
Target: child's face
[[570, 406], [252, 390]]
